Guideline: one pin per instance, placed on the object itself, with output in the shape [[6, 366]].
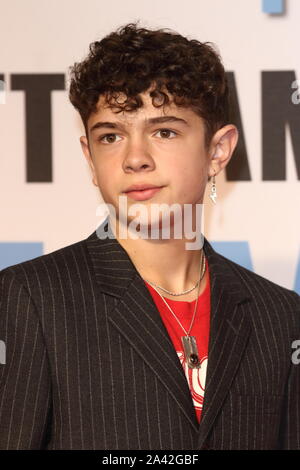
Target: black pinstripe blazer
[[90, 365]]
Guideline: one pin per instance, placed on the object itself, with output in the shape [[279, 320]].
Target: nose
[[138, 157]]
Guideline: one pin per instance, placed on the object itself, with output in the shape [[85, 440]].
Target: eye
[[100, 139], [167, 131]]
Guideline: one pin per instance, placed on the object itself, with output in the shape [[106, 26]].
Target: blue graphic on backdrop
[[16, 252], [297, 280], [273, 6], [238, 252]]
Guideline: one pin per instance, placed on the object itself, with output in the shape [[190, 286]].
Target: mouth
[[143, 194]]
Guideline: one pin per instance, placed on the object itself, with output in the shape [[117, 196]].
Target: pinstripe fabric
[[90, 365]]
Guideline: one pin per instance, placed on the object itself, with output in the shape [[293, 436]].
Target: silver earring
[[213, 190]]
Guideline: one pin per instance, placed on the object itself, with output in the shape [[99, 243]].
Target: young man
[[123, 342]]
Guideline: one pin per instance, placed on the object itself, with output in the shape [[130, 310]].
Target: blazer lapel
[[136, 317], [229, 331]]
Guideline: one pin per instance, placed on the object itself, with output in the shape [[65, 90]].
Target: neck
[[167, 263]]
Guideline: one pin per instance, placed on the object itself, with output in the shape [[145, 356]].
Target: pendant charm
[[191, 351]]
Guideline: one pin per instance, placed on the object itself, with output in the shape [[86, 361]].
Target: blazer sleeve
[[25, 384], [290, 419], [290, 424]]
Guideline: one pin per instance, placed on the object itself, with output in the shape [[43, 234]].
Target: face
[[156, 146]]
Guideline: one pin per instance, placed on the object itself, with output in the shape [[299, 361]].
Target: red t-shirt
[[184, 312]]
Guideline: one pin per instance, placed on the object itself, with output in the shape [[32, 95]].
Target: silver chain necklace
[[180, 293], [189, 343]]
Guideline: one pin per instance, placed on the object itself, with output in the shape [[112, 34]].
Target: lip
[[144, 194], [140, 187]]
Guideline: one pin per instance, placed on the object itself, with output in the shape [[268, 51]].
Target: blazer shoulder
[[255, 282], [48, 265]]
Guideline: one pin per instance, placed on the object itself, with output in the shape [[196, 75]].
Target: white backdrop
[[38, 36]]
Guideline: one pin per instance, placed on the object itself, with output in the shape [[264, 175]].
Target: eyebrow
[[119, 125]]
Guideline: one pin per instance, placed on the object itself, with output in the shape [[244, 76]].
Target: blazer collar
[[136, 317], [114, 269]]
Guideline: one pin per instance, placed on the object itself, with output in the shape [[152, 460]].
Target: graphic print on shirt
[[196, 379]]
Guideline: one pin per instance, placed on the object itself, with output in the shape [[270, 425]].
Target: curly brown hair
[[131, 59]]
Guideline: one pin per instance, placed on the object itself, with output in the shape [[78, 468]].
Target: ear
[[222, 146], [87, 153]]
